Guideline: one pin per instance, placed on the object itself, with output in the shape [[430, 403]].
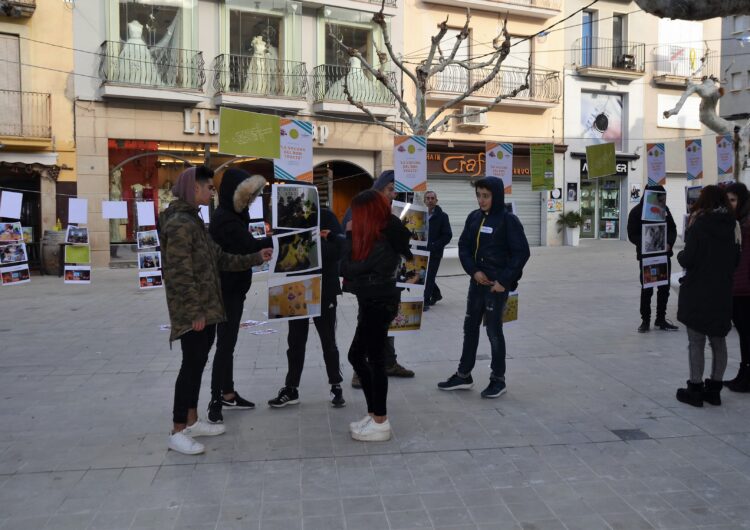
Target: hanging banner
[[694, 159], [601, 160], [410, 163], [542, 167], [656, 164], [243, 133], [296, 150], [499, 163], [725, 157]]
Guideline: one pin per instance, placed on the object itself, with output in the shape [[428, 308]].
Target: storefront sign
[[205, 125], [410, 163], [468, 164], [243, 133], [725, 157], [296, 160], [542, 167], [656, 164], [621, 168], [694, 159], [499, 161]]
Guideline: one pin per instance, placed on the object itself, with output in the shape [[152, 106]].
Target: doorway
[[600, 208]]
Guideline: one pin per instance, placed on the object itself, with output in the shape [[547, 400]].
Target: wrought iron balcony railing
[[609, 54], [244, 74], [545, 4], [544, 85], [25, 114], [388, 3], [682, 62], [140, 65], [329, 85]]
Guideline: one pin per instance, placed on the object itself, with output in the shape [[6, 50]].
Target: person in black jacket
[[709, 258], [332, 240], [493, 251], [635, 234], [229, 228], [440, 234], [376, 242]]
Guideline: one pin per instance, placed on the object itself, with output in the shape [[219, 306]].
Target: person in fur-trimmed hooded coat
[[229, 228]]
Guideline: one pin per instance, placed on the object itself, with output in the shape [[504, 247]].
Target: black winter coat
[[440, 233], [709, 259], [635, 229]]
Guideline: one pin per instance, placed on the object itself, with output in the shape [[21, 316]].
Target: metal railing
[[682, 62], [17, 8], [610, 54], [544, 85], [245, 74], [25, 114], [388, 3], [545, 4], [328, 83], [140, 65]]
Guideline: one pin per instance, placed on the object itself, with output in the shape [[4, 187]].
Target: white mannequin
[[256, 81], [135, 64], [115, 194]]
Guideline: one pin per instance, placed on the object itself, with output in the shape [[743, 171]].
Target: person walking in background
[[705, 302], [439, 235], [493, 250], [739, 198], [376, 242], [229, 227], [332, 240], [635, 234], [191, 265]]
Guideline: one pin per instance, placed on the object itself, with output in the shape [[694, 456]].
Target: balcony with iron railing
[[544, 85], [675, 65], [25, 114], [541, 9], [609, 58], [243, 74], [328, 87], [17, 8]]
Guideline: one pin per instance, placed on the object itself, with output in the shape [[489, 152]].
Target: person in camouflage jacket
[[191, 263]]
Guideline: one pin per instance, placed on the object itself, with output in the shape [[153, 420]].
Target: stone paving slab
[[589, 434]]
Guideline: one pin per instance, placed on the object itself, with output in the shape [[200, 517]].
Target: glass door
[[609, 209], [588, 208]]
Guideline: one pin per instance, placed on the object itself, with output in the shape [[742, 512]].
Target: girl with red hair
[[376, 241]]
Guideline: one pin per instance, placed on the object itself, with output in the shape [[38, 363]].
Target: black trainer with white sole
[[238, 403], [214, 412], [287, 396], [456, 382]]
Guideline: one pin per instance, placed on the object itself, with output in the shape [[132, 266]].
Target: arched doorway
[[345, 180]]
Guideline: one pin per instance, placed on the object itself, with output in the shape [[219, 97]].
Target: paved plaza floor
[[589, 435]]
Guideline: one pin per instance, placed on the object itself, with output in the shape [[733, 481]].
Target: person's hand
[[481, 278], [200, 324], [324, 233], [349, 226], [497, 288], [266, 254]]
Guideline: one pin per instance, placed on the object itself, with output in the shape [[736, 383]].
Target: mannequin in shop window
[[140, 64], [262, 73], [115, 194]]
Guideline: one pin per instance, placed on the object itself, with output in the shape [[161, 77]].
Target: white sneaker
[[357, 425], [373, 432], [202, 428], [184, 444]]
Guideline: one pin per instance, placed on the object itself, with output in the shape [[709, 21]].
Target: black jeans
[[222, 372], [366, 353], [325, 324], [481, 304], [662, 296], [741, 319], [195, 347], [430, 287]]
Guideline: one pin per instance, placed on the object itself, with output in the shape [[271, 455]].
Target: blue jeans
[[481, 303]]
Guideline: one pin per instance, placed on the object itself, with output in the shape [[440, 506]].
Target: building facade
[[37, 147]]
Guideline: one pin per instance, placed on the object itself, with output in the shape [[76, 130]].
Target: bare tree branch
[[462, 36], [379, 19], [361, 106]]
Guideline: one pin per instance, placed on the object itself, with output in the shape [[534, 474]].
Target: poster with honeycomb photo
[[291, 298]]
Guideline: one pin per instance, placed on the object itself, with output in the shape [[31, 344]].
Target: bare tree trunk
[[695, 9]]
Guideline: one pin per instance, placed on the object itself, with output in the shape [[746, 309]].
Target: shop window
[[153, 23]]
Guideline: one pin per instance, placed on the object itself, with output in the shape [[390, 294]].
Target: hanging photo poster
[[76, 235], [601, 160], [655, 271], [414, 218], [13, 253], [294, 297], [296, 151], [15, 275], [78, 211], [28, 234], [145, 213], [572, 192], [412, 273], [725, 157], [694, 159], [510, 311], [691, 196], [77, 254], [654, 206], [653, 238], [410, 163], [147, 239], [11, 232], [294, 206], [243, 133], [498, 162], [296, 252], [77, 274], [255, 210], [656, 164], [150, 280], [10, 204], [149, 260], [114, 209], [542, 167], [635, 193], [257, 229], [409, 317]]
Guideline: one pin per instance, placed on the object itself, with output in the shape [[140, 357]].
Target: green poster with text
[[542, 167], [600, 160], [243, 133]]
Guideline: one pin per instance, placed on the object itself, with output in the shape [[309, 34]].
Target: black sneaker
[[287, 396], [665, 325], [238, 403], [214, 412], [456, 382], [337, 397], [645, 327], [355, 381], [436, 298], [495, 389]]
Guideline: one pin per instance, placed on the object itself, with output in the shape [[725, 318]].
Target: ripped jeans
[[481, 303]]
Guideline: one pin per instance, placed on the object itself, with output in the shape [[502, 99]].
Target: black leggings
[[195, 347], [222, 372], [297, 341], [741, 319], [366, 353]]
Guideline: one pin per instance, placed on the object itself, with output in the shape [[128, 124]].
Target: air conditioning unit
[[476, 120]]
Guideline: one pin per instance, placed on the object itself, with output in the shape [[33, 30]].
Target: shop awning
[[19, 157]]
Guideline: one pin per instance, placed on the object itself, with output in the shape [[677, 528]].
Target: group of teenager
[[714, 290], [208, 272]]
